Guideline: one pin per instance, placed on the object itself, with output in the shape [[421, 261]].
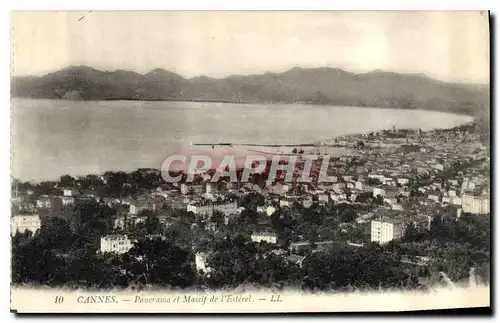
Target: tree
[[159, 262], [218, 218], [252, 201], [410, 233], [153, 225], [66, 181], [378, 200], [233, 261], [92, 220], [55, 233]]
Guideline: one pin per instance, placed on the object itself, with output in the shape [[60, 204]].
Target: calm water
[[51, 138]]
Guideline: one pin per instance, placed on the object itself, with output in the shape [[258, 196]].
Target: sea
[[50, 138]]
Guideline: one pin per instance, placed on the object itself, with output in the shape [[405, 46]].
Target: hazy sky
[[451, 46]]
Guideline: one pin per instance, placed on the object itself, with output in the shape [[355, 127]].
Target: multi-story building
[[207, 209], [116, 243], [267, 236], [476, 204], [386, 229], [25, 222]]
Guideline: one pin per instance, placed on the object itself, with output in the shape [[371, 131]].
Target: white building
[[67, 200], [433, 197], [227, 208], [438, 166], [67, 192], [456, 200], [323, 197], [476, 204], [201, 262], [378, 191], [270, 210], [384, 230], [391, 200], [43, 202], [23, 223], [403, 181], [284, 203], [116, 243], [136, 208], [119, 223], [269, 237]]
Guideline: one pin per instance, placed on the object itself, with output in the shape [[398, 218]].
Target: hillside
[[315, 86]]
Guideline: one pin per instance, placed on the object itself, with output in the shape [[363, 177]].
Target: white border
[[180, 5]]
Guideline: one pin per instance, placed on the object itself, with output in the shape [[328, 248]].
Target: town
[[401, 209]]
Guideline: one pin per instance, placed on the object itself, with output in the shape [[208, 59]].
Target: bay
[[50, 138]]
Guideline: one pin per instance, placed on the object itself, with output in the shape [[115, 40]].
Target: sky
[[450, 46]]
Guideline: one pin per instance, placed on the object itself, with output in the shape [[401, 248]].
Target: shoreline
[[312, 104], [346, 137]]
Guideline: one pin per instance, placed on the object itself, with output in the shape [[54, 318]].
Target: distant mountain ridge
[[322, 85]]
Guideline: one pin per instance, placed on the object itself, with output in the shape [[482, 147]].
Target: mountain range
[[323, 85]]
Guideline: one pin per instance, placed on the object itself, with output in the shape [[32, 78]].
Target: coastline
[[312, 104], [289, 146]]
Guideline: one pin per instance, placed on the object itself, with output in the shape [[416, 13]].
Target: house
[[404, 192], [348, 178], [25, 222], [339, 187], [338, 197], [403, 181], [135, 220], [120, 223], [115, 243], [397, 207], [44, 202], [284, 203], [323, 197], [196, 189], [141, 204], [201, 262], [456, 200], [267, 236], [391, 200], [433, 197], [279, 189], [67, 192], [378, 191], [67, 200]]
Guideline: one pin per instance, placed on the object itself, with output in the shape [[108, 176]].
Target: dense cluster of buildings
[[396, 179]]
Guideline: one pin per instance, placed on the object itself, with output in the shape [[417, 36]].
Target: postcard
[[250, 161]]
